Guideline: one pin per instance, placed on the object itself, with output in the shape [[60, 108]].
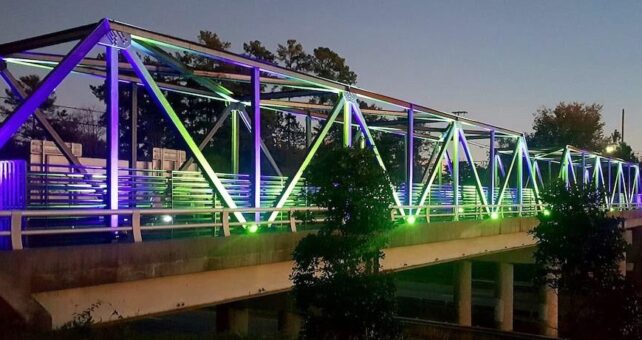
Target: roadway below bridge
[[49, 287]]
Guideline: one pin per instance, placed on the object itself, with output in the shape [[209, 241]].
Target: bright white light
[[610, 148], [167, 218]]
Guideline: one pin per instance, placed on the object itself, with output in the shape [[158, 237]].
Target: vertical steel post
[[133, 160], [608, 187], [410, 155], [256, 134], [111, 83], [455, 170], [234, 152], [308, 130], [583, 169], [134, 126], [347, 124], [520, 175], [550, 171], [492, 170]]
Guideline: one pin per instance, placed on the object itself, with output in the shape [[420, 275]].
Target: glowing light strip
[[447, 137], [469, 157], [500, 197], [313, 149], [164, 105]]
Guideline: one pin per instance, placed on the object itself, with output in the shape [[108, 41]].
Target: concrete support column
[[289, 324], [548, 311], [234, 320], [463, 292], [628, 237], [504, 296]]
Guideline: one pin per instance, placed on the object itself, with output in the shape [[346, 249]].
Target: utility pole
[[622, 138]]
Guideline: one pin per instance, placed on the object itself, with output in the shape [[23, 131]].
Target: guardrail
[[18, 218]]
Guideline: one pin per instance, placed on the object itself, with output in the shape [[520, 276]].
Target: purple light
[[51, 81]]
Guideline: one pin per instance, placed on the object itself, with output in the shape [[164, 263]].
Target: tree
[[255, 49], [338, 283], [579, 248], [328, 64], [622, 149], [293, 56], [576, 124], [18, 146]]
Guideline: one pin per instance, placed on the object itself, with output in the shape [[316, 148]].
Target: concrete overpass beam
[[463, 292], [548, 311], [504, 294]]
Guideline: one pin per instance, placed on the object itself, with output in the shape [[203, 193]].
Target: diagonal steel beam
[[245, 117], [177, 65], [166, 108], [210, 134], [50, 82], [371, 143], [529, 167], [21, 94], [516, 153], [471, 162], [447, 139], [209, 84], [285, 194]]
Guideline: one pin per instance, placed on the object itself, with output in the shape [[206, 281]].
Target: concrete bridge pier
[[232, 318], [463, 292], [548, 312], [504, 288], [289, 323]]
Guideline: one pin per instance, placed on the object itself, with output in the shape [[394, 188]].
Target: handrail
[[17, 218]]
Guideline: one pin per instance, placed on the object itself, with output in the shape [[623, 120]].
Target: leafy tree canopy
[[579, 248], [337, 280], [574, 123]]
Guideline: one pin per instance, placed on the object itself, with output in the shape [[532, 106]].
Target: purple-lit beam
[[50, 82], [255, 102], [111, 96], [20, 93], [410, 156]]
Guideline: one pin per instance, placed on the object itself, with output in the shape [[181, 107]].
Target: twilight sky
[[498, 60]]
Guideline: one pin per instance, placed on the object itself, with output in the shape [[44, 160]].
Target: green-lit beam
[[234, 152], [311, 152], [163, 104], [447, 139], [500, 197], [454, 159], [471, 162]]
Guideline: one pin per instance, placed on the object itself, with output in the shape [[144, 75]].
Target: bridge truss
[[509, 183]]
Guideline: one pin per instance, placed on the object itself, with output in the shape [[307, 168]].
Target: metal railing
[[131, 220]]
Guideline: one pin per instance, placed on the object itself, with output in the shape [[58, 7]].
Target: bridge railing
[[136, 223]]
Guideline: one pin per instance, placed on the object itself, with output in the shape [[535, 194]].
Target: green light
[[611, 209], [546, 212], [460, 209], [253, 228], [410, 219], [494, 215]]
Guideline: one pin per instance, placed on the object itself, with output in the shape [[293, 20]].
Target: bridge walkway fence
[[65, 206]]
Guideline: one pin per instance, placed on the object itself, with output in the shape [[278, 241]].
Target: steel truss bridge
[[55, 200]]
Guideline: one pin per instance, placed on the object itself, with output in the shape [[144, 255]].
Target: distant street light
[[610, 148]]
